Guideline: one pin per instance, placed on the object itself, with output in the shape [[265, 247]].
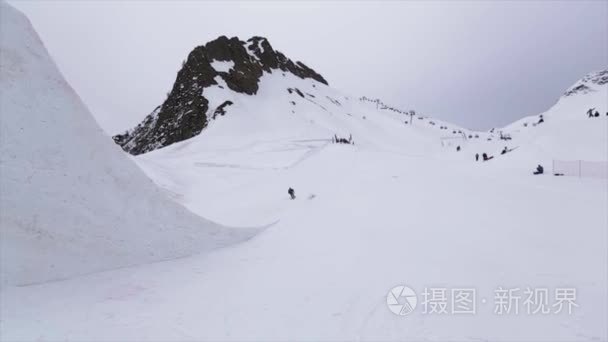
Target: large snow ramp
[[71, 202]]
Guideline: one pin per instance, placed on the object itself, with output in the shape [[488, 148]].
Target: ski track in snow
[[310, 150]]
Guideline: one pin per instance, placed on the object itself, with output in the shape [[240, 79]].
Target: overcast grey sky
[[476, 63]]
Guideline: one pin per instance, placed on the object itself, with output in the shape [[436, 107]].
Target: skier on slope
[[291, 193]]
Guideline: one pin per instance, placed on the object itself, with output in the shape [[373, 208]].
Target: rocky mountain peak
[[184, 114]]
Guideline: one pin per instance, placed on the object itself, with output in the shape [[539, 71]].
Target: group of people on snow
[[592, 114], [337, 140], [484, 157]]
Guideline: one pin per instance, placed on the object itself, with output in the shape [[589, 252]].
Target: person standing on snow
[[476, 156], [541, 120], [291, 193]]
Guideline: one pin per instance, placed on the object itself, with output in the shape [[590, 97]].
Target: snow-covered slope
[[567, 131], [564, 133], [399, 207], [70, 201], [363, 222]]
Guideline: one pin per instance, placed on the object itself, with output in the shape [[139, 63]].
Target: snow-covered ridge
[[71, 202], [566, 131], [590, 92], [591, 82]]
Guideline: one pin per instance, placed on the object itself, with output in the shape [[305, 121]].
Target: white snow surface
[[222, 66], [395, 208], [70, 201]]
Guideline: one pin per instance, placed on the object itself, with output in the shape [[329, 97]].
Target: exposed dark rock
[[221, 109], [600, 77], [296, 90], [579, 89], [184, 114]]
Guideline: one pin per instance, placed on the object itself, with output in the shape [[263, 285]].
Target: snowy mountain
[[230, 87], [230, 63], [71, 201]]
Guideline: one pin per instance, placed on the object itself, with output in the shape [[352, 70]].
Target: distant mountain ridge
[[186, 112], [263, 93]]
